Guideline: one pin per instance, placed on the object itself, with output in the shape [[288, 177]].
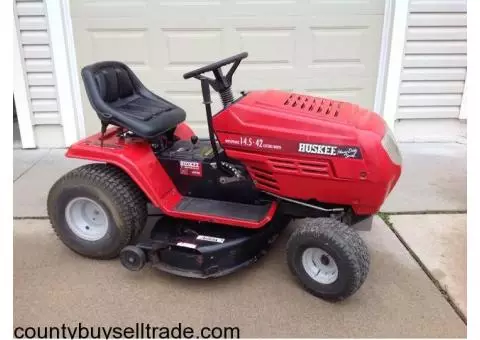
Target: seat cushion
[[119, 98], [140, 107]]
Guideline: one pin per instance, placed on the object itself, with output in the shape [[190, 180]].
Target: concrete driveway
[[434, 178], [52, 286]]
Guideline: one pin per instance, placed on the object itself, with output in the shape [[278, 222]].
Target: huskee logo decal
[[318, 149], [190, 165], [191, 168], [330, 150]]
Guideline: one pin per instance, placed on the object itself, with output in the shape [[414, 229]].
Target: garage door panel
[[131, 46], [334, 55], [109, 8], [196, 8], [348, 6], [126, 40], [271, 46], [283, 46], [348, 46], [337, 44], [266, 7], [193, 46]]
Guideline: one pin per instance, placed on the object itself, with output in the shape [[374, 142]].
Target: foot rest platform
[[240, 211]]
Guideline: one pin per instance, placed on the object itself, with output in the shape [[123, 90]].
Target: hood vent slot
[[315, 168], [283, 165], [305, 103], [311, 168], [264, 178]]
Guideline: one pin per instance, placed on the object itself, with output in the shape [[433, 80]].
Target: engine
[[311, 149]]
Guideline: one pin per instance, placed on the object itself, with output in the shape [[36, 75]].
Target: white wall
[[434, 70], [39, 100]]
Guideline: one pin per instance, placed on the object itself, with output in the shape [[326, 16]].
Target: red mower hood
[[280, 133], [333, 111]]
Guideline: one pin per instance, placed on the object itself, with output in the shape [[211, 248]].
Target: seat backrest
[[106, 82]]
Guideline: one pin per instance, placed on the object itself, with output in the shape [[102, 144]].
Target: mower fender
[[183, 131], [134, 156]]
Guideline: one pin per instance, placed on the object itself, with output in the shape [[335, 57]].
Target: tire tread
[[126, 196], [345, 239]]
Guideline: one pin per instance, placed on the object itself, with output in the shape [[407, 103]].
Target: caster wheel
[[133, 258], [328, 257]]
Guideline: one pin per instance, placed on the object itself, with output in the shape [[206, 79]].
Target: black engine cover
[[194, 172]]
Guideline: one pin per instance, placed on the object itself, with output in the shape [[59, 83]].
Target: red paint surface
[[136, 158], [183, 131], [281, 121]]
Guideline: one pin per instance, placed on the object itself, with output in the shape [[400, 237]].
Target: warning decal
[[186, 245], [210, 238]]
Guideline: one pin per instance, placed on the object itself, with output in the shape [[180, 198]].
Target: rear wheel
[[328, 258], [96, 210]]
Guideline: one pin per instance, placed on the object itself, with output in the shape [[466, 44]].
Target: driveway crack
[[386, 218], [31, 166]]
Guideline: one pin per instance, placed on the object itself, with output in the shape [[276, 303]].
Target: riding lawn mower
[[203, 208]]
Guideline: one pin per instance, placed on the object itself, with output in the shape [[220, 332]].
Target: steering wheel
[[221, 82]]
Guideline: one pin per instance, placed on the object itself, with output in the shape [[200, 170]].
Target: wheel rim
[[132, 259], [319, 265], [86, 219]]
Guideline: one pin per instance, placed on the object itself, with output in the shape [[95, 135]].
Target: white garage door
[[327, 48]]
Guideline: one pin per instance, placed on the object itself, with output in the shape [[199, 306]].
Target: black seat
[[119, 98]]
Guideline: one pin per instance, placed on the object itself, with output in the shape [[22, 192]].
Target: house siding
[[435, 60], [35, 48]]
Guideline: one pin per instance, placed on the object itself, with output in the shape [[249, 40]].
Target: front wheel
[[328, 257]]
